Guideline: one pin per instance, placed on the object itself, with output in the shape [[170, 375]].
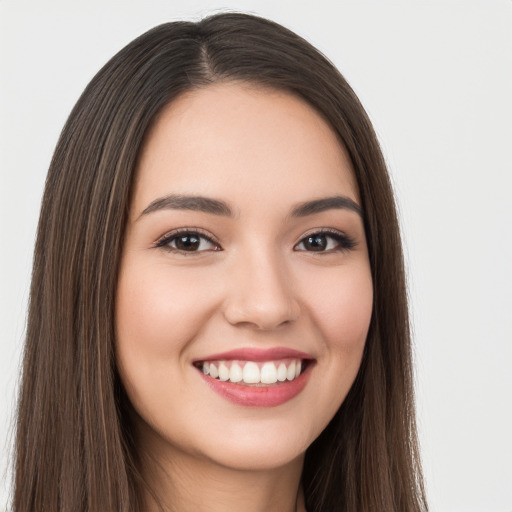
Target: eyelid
[[348, 241], [323, 230], [345, 241], [167, 237]]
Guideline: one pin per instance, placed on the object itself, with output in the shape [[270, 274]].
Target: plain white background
[[436, 79]]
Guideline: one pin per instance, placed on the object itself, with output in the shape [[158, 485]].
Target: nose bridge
[[260, 291]]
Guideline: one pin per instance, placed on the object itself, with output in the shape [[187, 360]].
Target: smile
[[257, 378], [253, 372]]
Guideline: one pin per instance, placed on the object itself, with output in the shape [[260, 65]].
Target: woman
[[218, 316]]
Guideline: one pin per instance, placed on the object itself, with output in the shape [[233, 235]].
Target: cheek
[[340, 309], [341, 305], [156, 313]]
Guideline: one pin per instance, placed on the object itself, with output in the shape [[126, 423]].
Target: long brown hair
[[74, 450]]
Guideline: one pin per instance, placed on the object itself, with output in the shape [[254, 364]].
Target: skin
[[263, 153]]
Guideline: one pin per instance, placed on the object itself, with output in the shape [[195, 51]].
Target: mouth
[[254, 373], [253, 377]]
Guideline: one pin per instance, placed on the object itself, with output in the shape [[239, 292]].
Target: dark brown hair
[[74, 450]]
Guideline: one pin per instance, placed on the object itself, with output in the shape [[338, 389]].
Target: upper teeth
[[250, 372]]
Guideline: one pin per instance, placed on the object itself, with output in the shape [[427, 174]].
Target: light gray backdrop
[[436, 79]]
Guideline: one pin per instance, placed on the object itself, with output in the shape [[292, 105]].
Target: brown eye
[[315, 243], [188, 241], [326, 241]]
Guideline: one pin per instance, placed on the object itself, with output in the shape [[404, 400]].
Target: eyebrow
[[217, 207], [197, 203], [324, 204]]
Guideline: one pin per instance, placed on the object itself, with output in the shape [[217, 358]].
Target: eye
[[186, 241], [326, 241]]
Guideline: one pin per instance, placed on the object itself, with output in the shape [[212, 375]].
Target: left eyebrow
[[324, 204]]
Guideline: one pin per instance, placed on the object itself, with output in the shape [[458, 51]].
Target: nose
[[261, 294]]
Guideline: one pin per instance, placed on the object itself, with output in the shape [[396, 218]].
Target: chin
[[257, 454]]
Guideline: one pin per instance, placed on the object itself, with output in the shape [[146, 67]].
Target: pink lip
[[258, 396], [257, 354], [254, 396]]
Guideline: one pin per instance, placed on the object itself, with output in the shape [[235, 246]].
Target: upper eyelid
[[323, 230], [350, 241], [190, 230], [213, 239]]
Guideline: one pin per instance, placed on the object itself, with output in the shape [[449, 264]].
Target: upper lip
[[257, 354]]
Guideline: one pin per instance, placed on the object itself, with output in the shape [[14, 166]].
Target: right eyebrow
[[181, 202]]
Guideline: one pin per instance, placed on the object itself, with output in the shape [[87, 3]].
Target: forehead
[[238, 142]]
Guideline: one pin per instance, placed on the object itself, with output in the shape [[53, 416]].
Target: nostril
[[263, 316]]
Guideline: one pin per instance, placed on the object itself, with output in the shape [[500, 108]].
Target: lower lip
[[259, 396]]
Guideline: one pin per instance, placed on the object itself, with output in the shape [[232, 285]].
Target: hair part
[[74, 449]]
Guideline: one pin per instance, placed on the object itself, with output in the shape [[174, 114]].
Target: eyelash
[[343, 241], [164, 242]]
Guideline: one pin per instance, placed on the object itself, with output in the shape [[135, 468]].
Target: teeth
[[268, 373], [235, 373], [290, 374], [250, 372], [281, 372], [223, 372], [298, 368]]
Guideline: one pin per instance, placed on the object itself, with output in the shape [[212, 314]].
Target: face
[[245, 294]]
